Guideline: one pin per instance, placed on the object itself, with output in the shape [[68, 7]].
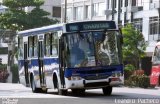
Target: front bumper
[[88, 84]]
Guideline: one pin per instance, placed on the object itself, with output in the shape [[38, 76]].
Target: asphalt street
[[19, 94]]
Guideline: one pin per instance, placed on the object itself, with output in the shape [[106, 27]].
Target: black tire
[[78, 92], [34, 88], [27, 85], [107, 90], [61, 91], [44, 90]]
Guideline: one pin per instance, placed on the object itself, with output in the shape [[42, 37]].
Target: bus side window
[[47, 44], [54, 44], [32, 43], [35, 40], [30, 39], [20, 47]]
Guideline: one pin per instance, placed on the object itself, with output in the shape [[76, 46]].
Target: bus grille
[[96, 74], [96, 77], [96, 84], [96, 71]]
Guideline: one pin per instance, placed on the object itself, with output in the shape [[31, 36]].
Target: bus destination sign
[[93, 25]]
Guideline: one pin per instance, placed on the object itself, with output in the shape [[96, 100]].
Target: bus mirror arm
[[121, 39], [121, 35], [120, 30]]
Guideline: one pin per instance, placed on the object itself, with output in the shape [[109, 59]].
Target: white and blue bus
[[76, 56]]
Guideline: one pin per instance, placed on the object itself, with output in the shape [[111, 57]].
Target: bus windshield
[[96, 48]]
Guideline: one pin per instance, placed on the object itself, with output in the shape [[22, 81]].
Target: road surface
[[19, 94]]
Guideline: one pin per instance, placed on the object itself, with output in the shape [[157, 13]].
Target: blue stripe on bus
[[34, 62], [107, 70]]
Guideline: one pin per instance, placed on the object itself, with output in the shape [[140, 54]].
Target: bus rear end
[[155, 71]]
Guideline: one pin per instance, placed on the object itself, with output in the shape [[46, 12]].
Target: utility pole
[[9, 37], [65, 11]]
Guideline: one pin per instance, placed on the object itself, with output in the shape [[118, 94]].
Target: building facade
[[144, 14], [51, 6]]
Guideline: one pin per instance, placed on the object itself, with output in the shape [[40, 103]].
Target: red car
[[155, 72]]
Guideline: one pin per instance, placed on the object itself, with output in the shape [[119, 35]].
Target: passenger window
[[47, 44], [20, 47], [35, 44], [32, 43], [51, 44], [54, 44]]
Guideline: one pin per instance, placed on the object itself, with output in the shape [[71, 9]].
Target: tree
[[17, 19], [134, 45]]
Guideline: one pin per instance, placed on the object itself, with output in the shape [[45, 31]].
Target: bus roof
[[71, 27], [40, 30]]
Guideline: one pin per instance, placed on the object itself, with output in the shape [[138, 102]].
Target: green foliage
[[138, 81], [14, 4], [144, 81], [15, 74], [37, 18], [9, 20], [128, 70], [134, 44], [17, 19], [129, 67], [3, 67]]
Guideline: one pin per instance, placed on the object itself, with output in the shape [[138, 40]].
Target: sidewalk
[[12, 86], [148, 91]]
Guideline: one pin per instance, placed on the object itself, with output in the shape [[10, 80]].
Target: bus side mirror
[[120, 30]]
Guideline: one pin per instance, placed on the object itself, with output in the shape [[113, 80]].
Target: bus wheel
[[61, 91], [33, 86], [107, 90], [43, 90], [79, 92]]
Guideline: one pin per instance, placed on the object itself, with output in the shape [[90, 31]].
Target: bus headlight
[[116, 74], [74, 78]]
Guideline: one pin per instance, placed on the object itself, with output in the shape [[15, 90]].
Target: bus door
[[26, 64], [41, 64], [62, 62]]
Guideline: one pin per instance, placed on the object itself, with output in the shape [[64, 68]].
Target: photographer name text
[[137, 101]]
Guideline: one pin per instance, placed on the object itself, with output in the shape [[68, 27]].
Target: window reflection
[[91, 49], [157, 55]]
